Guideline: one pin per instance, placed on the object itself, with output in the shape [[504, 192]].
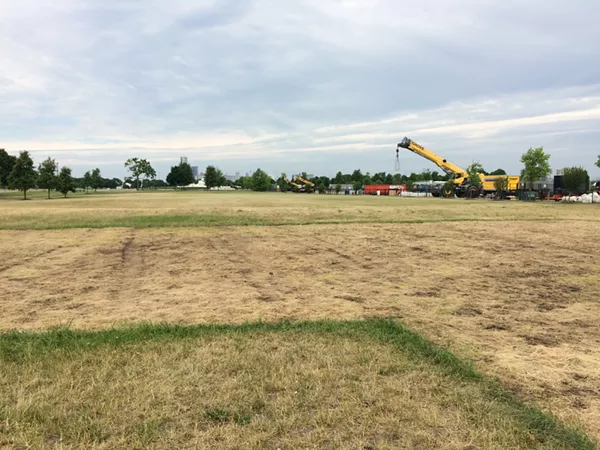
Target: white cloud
[[324, 83]]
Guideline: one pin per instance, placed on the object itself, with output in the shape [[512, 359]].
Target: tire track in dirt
[[129, 268], [238, 255], [24, 261], [349, 260]]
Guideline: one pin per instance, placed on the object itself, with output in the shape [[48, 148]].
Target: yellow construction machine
[[460, 177], [306, 185], [291, 183], [306, 182]]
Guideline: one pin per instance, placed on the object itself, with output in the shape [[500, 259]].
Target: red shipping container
[[371, 189]]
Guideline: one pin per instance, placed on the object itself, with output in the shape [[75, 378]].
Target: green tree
[[244, 182], [261, 181], [598, 162], [186, 174], [378, 178], [498, 172], [576, 180], [357, 175], [338, 179], [154, 183], [282, 183], [173, 176], [181, 175], [222, 181], [357, 186], [87, 180], [95, 179], [7, 162], [47, 175], [140, 168], [501, 186], [474, 170], [23, 175], [321, 188], [396, 179], [65, 182], [109, 183], [214, 177], [338, 188], [537, 165]]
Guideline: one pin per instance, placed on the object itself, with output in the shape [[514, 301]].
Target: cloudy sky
[[300, 85]]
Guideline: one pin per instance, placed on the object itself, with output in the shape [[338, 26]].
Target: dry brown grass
[[521, 299], [257, 390], [241, 208]]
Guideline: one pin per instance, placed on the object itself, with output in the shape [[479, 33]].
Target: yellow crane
[[460, 177], [292, 183], [302, 180]]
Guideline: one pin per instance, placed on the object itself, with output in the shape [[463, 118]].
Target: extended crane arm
[[298, 177], [448, 167], [292, 183]]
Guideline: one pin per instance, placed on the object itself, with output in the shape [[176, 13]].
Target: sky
[[300, 85]]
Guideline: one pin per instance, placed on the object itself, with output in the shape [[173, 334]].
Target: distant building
[[183, 159], [195, 172], [344, 189]]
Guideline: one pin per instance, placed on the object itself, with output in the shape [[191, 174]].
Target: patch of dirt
[[125, 249], [266, 298], [351, 298], [577, 323], [497, 326], [468, 311], [544, 306], [432, 294], [548, 341]]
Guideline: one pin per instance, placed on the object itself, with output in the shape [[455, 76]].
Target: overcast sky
[[300, 85]]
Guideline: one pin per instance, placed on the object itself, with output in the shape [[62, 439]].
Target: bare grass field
[[183, 209], [518, 297]]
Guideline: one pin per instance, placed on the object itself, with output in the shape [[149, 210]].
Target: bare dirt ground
[[518, 298]]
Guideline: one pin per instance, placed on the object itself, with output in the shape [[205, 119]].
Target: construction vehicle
[[296, 185], [306, 182], [460, 177], [306, 185]]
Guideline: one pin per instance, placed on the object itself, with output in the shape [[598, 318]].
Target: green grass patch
[[27, 348], [226, 220]]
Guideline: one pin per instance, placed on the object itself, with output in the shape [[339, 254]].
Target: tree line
[[20, 173]]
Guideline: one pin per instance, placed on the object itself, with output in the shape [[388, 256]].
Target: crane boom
[[460, 177], [302, 180], [292, 183], [458, 173]]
